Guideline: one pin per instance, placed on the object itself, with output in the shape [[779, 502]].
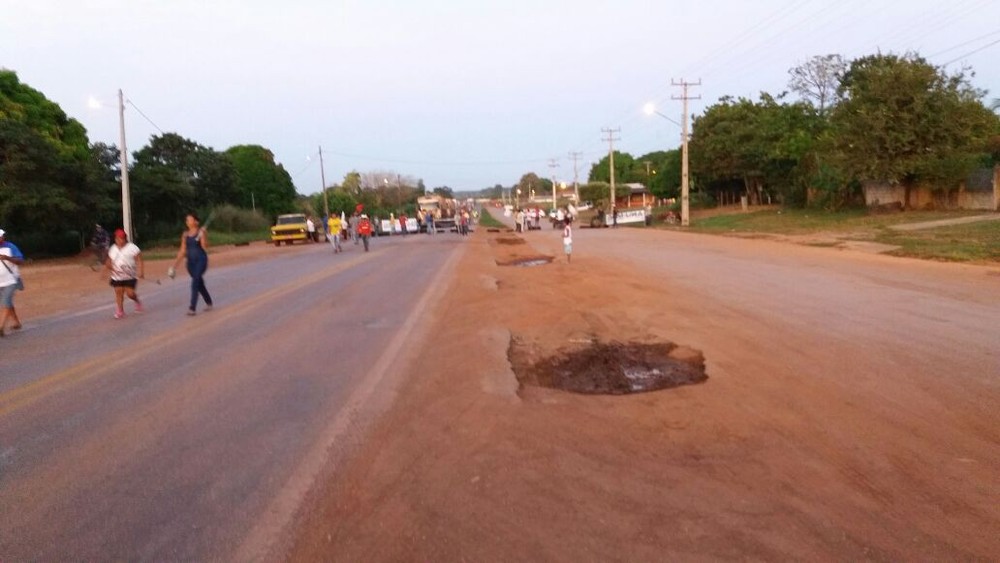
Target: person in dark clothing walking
[[194, 245], [99, 243]]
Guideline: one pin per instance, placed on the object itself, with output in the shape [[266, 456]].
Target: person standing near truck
[[311, 229], [429, 222]]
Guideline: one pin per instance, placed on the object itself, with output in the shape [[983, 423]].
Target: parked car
[[289, 228]]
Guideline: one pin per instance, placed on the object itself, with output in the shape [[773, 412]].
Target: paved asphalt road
[[166, 437]]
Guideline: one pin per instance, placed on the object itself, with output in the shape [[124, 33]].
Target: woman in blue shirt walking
[[194, 245]]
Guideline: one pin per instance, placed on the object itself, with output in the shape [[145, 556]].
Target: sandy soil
[[471, 466]]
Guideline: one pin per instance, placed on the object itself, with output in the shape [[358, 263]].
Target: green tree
[[173, 175], [104, 194], [903, 120], [759, 144], [34, 180], [261, 181], [45, 163], [664, 177], [444, 191], [352, 183], [529, 182], [625, 169], [597, 192]]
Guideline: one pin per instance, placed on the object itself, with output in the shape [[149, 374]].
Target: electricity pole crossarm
[[685, 190]]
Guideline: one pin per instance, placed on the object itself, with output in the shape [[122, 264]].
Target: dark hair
[[195, 216]]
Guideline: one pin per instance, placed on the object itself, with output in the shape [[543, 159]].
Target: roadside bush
[[231, 219], [48, 245], [701, 200]]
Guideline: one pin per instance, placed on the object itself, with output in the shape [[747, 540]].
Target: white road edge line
[[280, 512]]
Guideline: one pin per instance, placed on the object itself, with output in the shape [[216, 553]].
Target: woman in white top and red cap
[[125, 263]]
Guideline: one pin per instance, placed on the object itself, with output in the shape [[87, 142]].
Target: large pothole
[[609, 368]]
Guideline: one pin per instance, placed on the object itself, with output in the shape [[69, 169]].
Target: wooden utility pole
[[123, 157], [553, 164], [611, 156], [576, 184], [685, 217], [322, 178], [649, 181]]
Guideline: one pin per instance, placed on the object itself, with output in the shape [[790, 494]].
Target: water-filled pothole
[[527, 261], [611, 368]]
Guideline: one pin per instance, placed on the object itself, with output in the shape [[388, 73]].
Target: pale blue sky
[[465, 94]]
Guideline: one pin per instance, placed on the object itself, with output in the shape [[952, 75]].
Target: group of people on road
[[123, 262], [357, 227], [562, 217]]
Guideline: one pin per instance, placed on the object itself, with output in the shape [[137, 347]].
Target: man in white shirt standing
[[125, 262], [311, 229]]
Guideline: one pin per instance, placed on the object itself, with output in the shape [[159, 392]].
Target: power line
[[131, 103], [972, 52], [963, 44], [434, 163], [304, 168]]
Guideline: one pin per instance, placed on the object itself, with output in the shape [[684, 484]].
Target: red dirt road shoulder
[[759, 462]]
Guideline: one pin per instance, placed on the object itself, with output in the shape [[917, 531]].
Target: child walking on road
[[567, 239]]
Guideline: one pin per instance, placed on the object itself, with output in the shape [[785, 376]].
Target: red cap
[[120, 233]]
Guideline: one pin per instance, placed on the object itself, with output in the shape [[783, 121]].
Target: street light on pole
[[123, 154], [95, 104], [650, 109]]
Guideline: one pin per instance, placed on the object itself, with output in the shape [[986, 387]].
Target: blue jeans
[[197, 267]]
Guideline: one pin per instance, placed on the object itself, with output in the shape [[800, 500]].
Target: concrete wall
[[983, 197]]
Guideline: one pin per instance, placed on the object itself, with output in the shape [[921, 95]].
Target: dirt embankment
[[471, 464]]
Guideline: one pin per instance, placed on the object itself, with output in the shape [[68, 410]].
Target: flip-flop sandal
[[16, 327]]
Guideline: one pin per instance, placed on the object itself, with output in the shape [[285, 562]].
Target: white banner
[[627, 216], [412, 226]]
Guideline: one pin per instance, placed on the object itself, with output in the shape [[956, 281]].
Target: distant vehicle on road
[[442, 208], [289, 228]]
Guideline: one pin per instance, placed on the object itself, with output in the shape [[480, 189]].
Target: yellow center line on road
[[67, 378]]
